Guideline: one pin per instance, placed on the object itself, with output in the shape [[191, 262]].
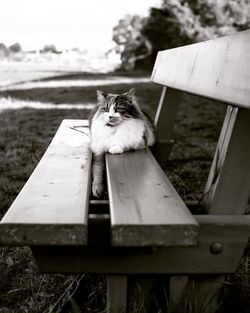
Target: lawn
[[24, 136]]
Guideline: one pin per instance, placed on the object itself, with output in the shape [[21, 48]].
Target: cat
[[117, 124]]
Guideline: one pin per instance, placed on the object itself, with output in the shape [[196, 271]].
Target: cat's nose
[[111, 118]]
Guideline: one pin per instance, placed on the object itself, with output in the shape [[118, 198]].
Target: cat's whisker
[[80, 131]]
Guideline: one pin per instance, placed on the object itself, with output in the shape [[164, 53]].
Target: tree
[[4, 52], [49, 48], [180, 22], [163, 31], [205, 19], [15, 48], [131, 43]]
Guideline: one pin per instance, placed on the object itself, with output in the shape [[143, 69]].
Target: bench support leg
[[116, 294], [176, 288], [227, 188], [165, 120]]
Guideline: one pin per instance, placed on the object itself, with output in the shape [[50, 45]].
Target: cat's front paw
[[116, 149], [97, 190]]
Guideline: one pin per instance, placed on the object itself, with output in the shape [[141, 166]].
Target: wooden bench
[[145, 227]]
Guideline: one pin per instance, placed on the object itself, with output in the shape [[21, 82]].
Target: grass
[[25, 135]]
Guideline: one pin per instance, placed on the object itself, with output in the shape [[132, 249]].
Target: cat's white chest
[[127, 135]]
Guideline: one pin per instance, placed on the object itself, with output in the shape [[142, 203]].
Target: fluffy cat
[[117, 124]]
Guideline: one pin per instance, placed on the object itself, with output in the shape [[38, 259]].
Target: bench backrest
[[216, 69]]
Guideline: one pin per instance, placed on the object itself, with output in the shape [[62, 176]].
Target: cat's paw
[[116, 149], [97, 190]]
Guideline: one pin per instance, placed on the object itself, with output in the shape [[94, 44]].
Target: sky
[[65, 23]]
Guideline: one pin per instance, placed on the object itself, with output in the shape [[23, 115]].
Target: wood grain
[[100, 257], [116, 294], [52, 206], [145, 208], [177, 286], [217, 69]]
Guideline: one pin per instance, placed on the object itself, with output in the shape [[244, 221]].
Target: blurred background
[[101, 36], [53, 57], [84, 36]]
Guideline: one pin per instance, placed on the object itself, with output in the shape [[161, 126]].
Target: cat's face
[[115, 108]]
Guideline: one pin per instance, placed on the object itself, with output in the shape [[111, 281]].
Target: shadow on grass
[[147, 92]]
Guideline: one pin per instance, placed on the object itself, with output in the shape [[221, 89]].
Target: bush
[[15, 48], [180, 22]]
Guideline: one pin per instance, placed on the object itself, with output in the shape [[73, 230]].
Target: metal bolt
[[216, 248]]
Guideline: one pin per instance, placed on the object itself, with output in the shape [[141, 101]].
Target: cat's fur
[[117, 124]]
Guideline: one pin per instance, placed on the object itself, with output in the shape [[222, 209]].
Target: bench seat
[[53, 206], [145, 207]]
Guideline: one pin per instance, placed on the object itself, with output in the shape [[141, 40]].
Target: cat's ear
[[130, 93], [101, 96]]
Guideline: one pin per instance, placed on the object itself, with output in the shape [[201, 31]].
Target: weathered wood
[[228, 187], [209, 69], [116, 294], [99, 256], [217, 69], [52, 206], [145, 208], [165, 120], [176, 288]]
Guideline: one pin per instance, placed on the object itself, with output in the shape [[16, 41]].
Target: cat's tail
[[98, 175]]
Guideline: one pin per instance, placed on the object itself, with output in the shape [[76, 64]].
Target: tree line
[[177, 23]]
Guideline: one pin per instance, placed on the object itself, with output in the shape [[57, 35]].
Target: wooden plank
[[52, 206], [228, 187], [177, 287], [145, 208], [117, 294], [165, 120], [217, 69], [99, 256]]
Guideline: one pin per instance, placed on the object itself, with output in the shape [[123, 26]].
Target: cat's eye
[[120, 110], [106, 109]]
